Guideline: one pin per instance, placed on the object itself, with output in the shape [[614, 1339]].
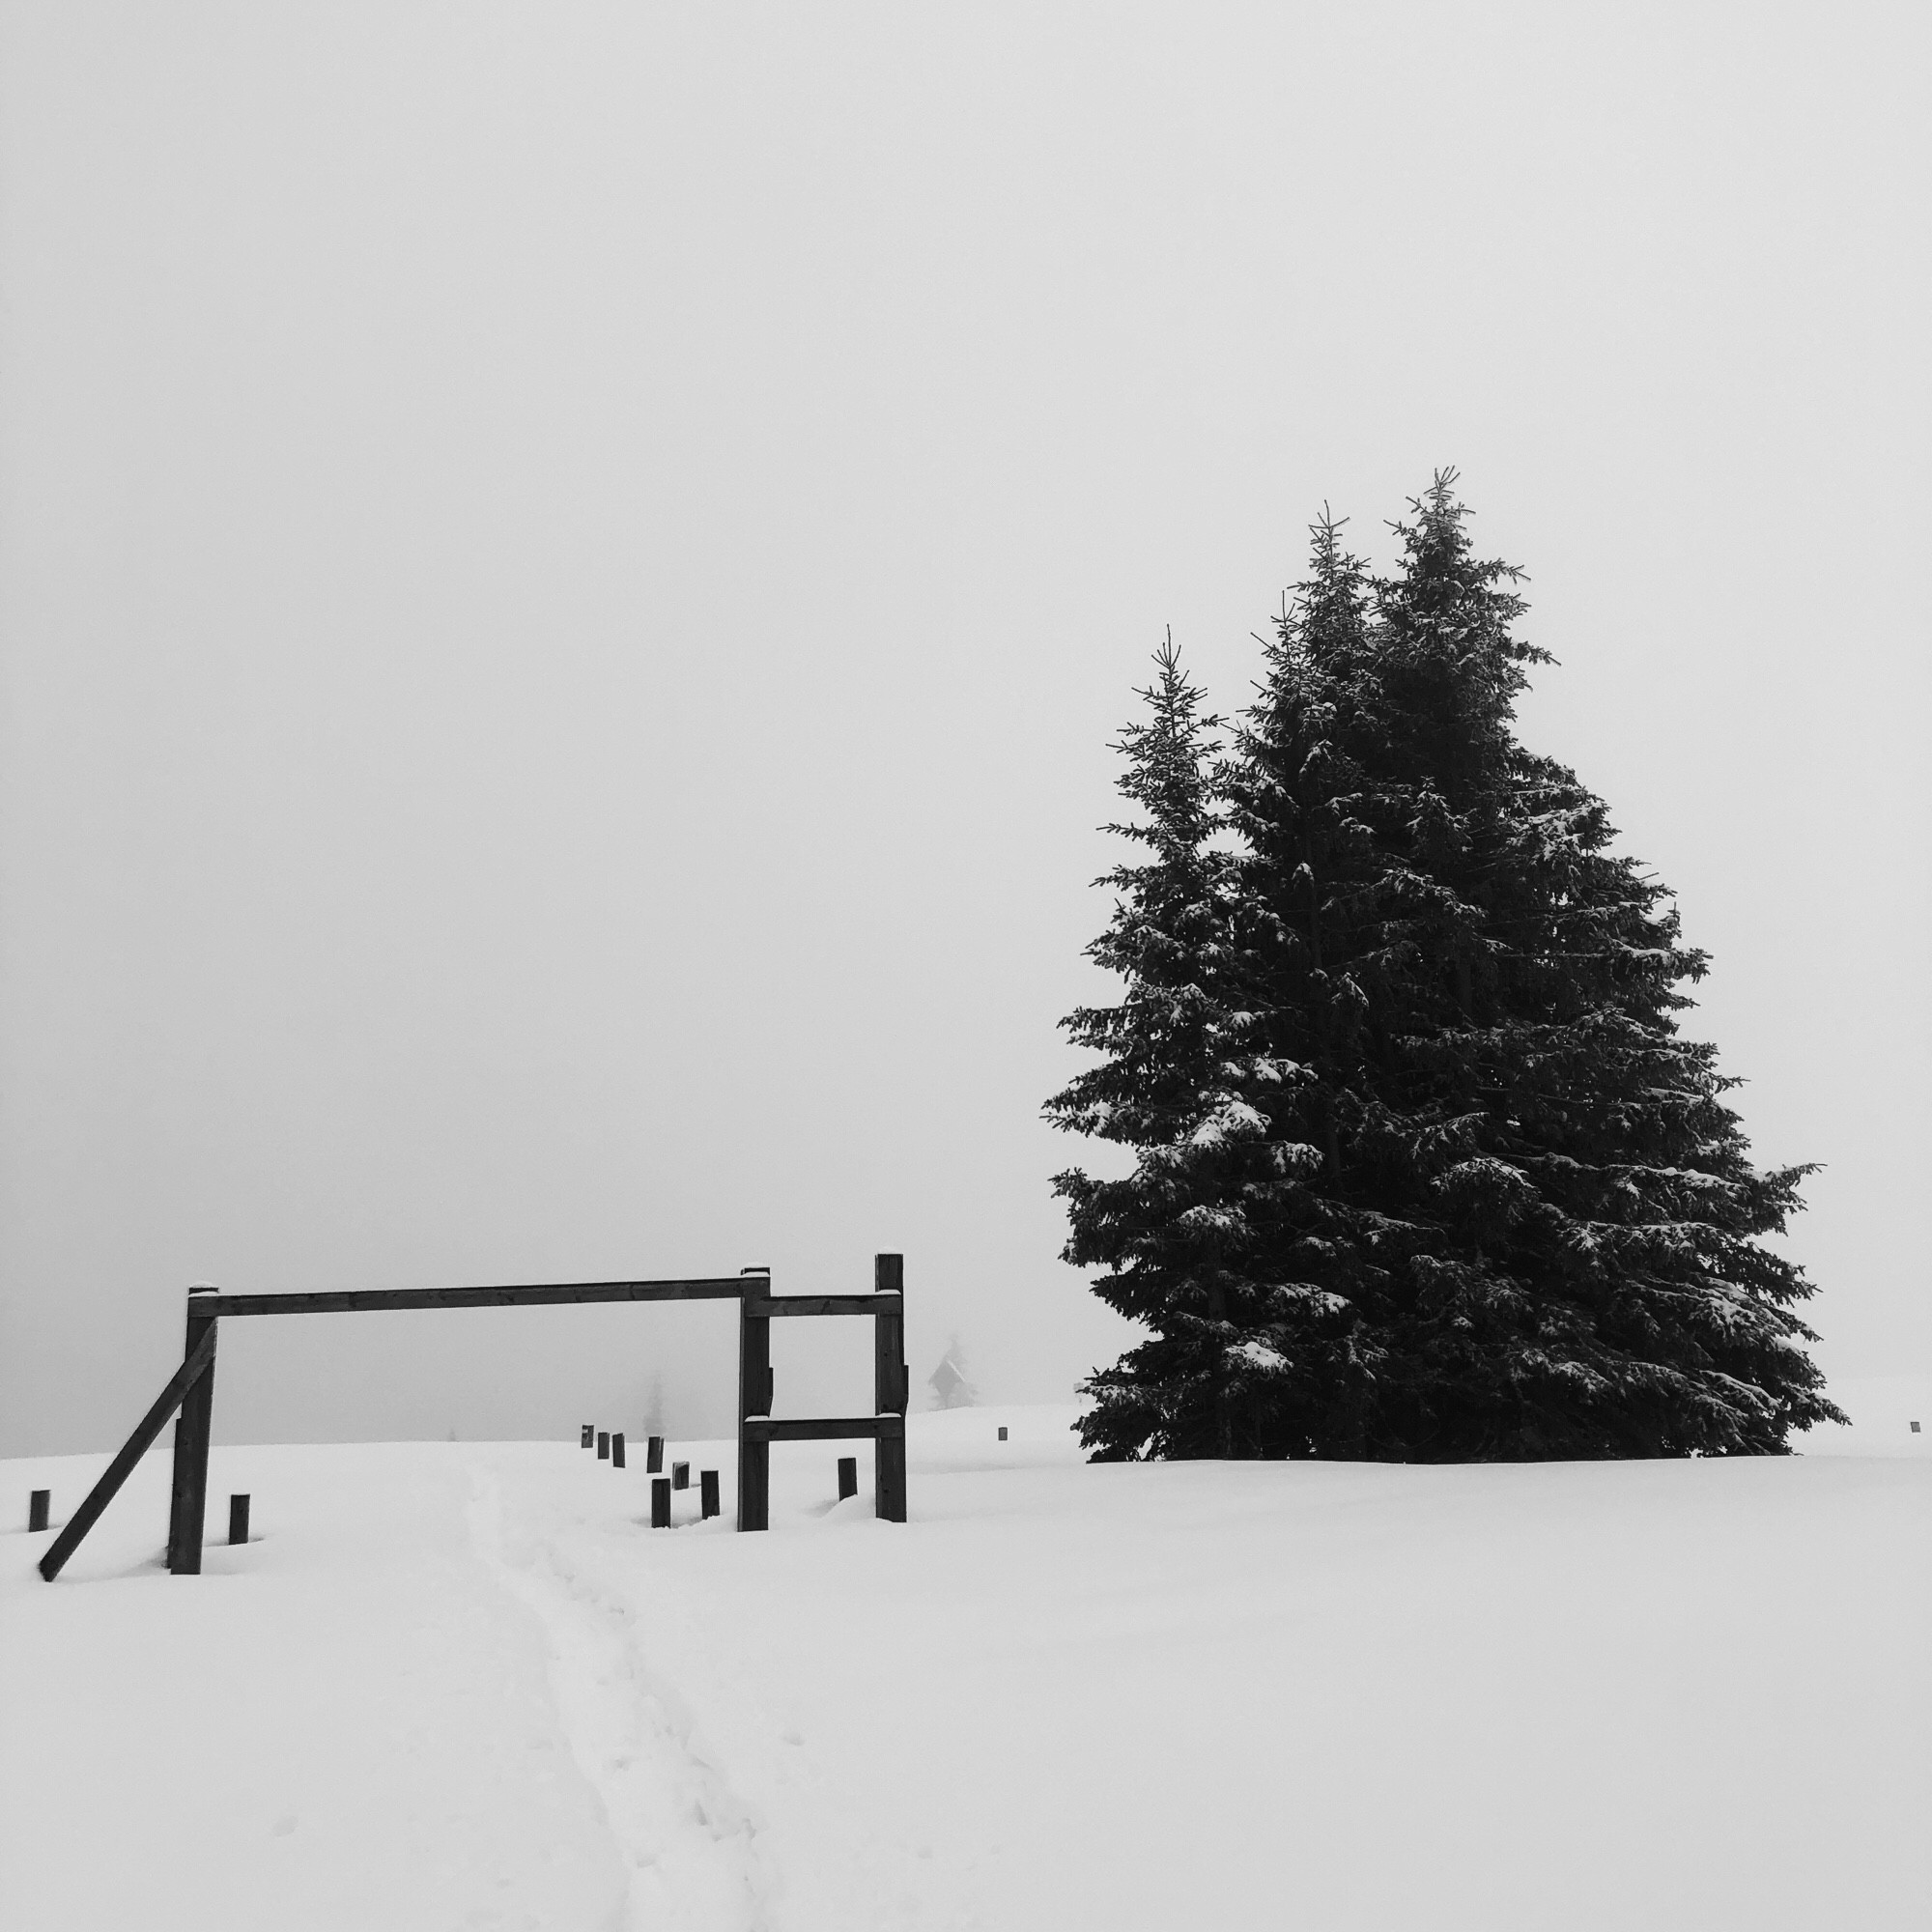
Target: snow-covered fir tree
[[1485, 1201], [1573, 1255], [1185, 1061], [1295, 793]]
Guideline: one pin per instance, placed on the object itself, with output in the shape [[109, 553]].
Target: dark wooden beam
[[891, 1387], [826, 1304], [822, 1428], [187, 1508], [545, 1294], [754, 1400]]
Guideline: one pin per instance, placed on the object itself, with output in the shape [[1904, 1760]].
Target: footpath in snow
[[464, 1685]]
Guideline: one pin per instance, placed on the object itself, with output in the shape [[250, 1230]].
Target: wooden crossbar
[[547, 1294], [821, 1428], [825, 1304], [131, 1451]]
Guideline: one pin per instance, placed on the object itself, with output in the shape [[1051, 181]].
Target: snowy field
[[453, 1686]]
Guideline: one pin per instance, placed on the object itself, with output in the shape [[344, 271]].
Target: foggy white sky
[[566, 574]]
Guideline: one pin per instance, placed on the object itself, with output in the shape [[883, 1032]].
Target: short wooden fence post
[[187, 1511], [654, 1455], [889, 1389], [39, 1502], [603, 1445], [660, 1503], [680, 1475], [616, 1449], [588, 1436], [707, 1493], [848, 1477], [237, 1519]]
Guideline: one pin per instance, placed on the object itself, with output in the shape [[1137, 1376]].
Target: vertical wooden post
[[39, 1502], [660, 1503], [187, 1510], [848, 1477], [755, 1398], [237, 1519], [586, 1435], [616, 1449], [890, 1390], [654, 1455], [707, 1493], [603, 1445]]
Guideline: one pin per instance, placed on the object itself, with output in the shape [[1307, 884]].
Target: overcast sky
[[567, 573]]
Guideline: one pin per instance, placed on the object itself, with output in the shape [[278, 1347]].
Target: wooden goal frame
[[191, 1390]]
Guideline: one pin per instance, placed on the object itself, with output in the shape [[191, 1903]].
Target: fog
[[567, 574]]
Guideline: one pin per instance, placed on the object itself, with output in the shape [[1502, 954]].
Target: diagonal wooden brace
[[200, 1359]]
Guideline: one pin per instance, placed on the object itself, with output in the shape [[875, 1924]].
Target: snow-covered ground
[[464, 1685]]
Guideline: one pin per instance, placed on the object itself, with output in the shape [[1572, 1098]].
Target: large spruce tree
[[1484, 1200]]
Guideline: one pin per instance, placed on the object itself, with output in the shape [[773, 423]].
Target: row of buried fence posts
[[191, 1390], [609, 1447]]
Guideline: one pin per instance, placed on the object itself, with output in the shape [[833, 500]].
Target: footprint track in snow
[[689, 1842]]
